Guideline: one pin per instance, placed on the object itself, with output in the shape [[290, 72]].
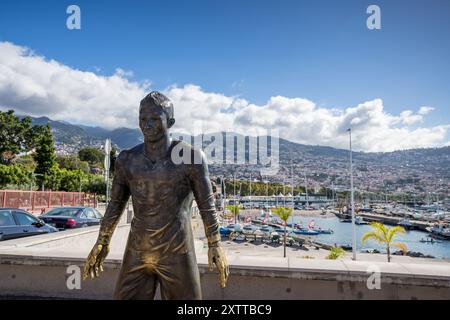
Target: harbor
[[327, 230]]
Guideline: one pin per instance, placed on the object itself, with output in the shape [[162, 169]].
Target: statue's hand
[[217, 256], [94, 262]]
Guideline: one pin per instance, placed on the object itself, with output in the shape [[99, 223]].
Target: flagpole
[[352, 198], [292, 194], [107, 164], [306, 189]]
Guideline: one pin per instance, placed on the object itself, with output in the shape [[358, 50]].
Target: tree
[[73, 180], [385, 235], [45, 157], [25, 161], [16, 135], [72, 162], [52, 179], [284, 214], [14, 176], [235, 209], [95, 184], [92, 155], [335, 253]]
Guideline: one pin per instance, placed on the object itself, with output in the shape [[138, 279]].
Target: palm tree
[[385, 235], [284, 214], [335, 253], [234, 208]]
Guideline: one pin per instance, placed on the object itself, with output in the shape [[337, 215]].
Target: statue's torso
[[162, 199]]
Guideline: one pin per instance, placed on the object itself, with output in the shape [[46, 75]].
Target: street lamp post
[[292, 193], [267, 193], [292, 188], [224, 193], [234, 187], [81, 183], [250, 192], [352, 199]]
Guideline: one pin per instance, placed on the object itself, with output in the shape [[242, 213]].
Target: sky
[[309, 69]]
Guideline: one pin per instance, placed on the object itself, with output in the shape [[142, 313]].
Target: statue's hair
[[156, 98]]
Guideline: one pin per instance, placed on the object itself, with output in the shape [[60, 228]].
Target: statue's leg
[[135, 282], [182, 282]]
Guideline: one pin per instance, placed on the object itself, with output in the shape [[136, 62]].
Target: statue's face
[[153, 122]]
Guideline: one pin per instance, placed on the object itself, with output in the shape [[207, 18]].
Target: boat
[[417, 216], [324, 231], [365, 209], [291, 225], [235, 227], [406, 223], [370, 250], [359, 220], [265, 228], [429, 240], [439, 230], [224, 231], [248, 227], [307, 232], [343, 215], [347, 247]]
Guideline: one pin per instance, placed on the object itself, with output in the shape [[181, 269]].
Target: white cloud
[[425, 110], [409, 118], [124, 73], [34, 85]]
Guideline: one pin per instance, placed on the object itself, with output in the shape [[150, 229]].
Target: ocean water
[[343, 236]]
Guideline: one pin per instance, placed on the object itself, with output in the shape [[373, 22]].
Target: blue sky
[[318, 50]]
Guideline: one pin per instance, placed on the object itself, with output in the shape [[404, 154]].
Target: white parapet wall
[[38, 267]]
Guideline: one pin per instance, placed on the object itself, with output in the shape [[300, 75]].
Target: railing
[[38, 200]]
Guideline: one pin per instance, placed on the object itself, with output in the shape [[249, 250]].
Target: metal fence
[[38, 200]]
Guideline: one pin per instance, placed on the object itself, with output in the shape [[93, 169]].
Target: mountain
[[415, 170], [124, 138]]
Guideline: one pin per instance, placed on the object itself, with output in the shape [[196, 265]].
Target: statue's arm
[[204, 196], [120, 193]]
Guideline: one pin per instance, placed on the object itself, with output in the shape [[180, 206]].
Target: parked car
[[72, 217], [17, 223]]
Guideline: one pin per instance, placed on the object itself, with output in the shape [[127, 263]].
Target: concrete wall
[[48, 279], [38, 267]]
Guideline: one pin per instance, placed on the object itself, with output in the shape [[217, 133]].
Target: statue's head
[[155, 116]]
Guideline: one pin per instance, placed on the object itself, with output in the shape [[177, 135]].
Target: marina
[[328, 231]]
